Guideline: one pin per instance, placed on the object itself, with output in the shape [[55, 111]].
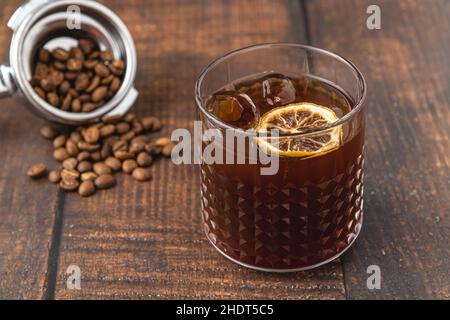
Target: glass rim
[[357, 105]]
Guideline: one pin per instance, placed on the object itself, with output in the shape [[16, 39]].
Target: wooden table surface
[[145, 241]]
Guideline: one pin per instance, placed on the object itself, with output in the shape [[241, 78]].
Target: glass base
[[294, 269]]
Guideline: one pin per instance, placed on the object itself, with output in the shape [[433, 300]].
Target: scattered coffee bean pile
[[91, 155], [79, 80]]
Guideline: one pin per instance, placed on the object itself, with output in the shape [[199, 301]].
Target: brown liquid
[[307, 213]]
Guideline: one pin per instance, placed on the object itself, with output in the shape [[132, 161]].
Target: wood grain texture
[[407, 207], [146, 240], [28, 210]]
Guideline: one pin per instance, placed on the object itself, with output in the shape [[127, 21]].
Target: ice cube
[[278, 90], [234, 108]]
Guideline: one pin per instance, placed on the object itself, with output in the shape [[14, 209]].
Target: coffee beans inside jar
[[81, 79], [90, 156]]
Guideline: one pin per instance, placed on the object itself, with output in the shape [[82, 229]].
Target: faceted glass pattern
[[292, 226]]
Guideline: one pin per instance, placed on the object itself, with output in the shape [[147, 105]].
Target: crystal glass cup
[[311, 210]]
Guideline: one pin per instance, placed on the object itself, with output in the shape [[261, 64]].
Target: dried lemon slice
[[298, 118]]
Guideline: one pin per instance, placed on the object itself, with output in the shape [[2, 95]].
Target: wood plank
[[146, 241], [407, 199], [28, 210]]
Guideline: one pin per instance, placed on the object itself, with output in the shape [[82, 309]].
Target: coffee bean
[[153, 149], [115, 85], [83, 67], [58, 65], [84, 146], [60, 141], [117, 67], [94, 55], [105, 151], [94, 84], [54, 176], [69, 185], [44, 55], [161, 142], [129, 117], [74, 65], [138, 128], [120, 145], [41, 70], [151, 123], [105, 181], [48, 132], [90, 64], [76, 105], [99, 94], [112, 119], [128, 136], [36, 171], [96, 156], [102, 70], [91, 134], [74, 93], [113, 163], [53, 99], [118, 64], [46, 84], [83, 156], [129, 165], [71, 76], [110, 140], [100, 168], [64, 87], [167, 150], [99, 104], [107, 130], [85, 98], [144, 159], [141, 138], [85, 176], [60, 154], [142, 174], [84, 166], [40, 92], [77, 53], [106, 55], [137, 147], [35, 81], [88, 107], [91, 148], [123, 155], [108, 79], [70, 163], [82, 82], [69, 174], [60, 54], [122, 127], [67, 103], [76, 137], [71, 146], [86, 188], [149, 147], [86, 45], [56, 78]]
